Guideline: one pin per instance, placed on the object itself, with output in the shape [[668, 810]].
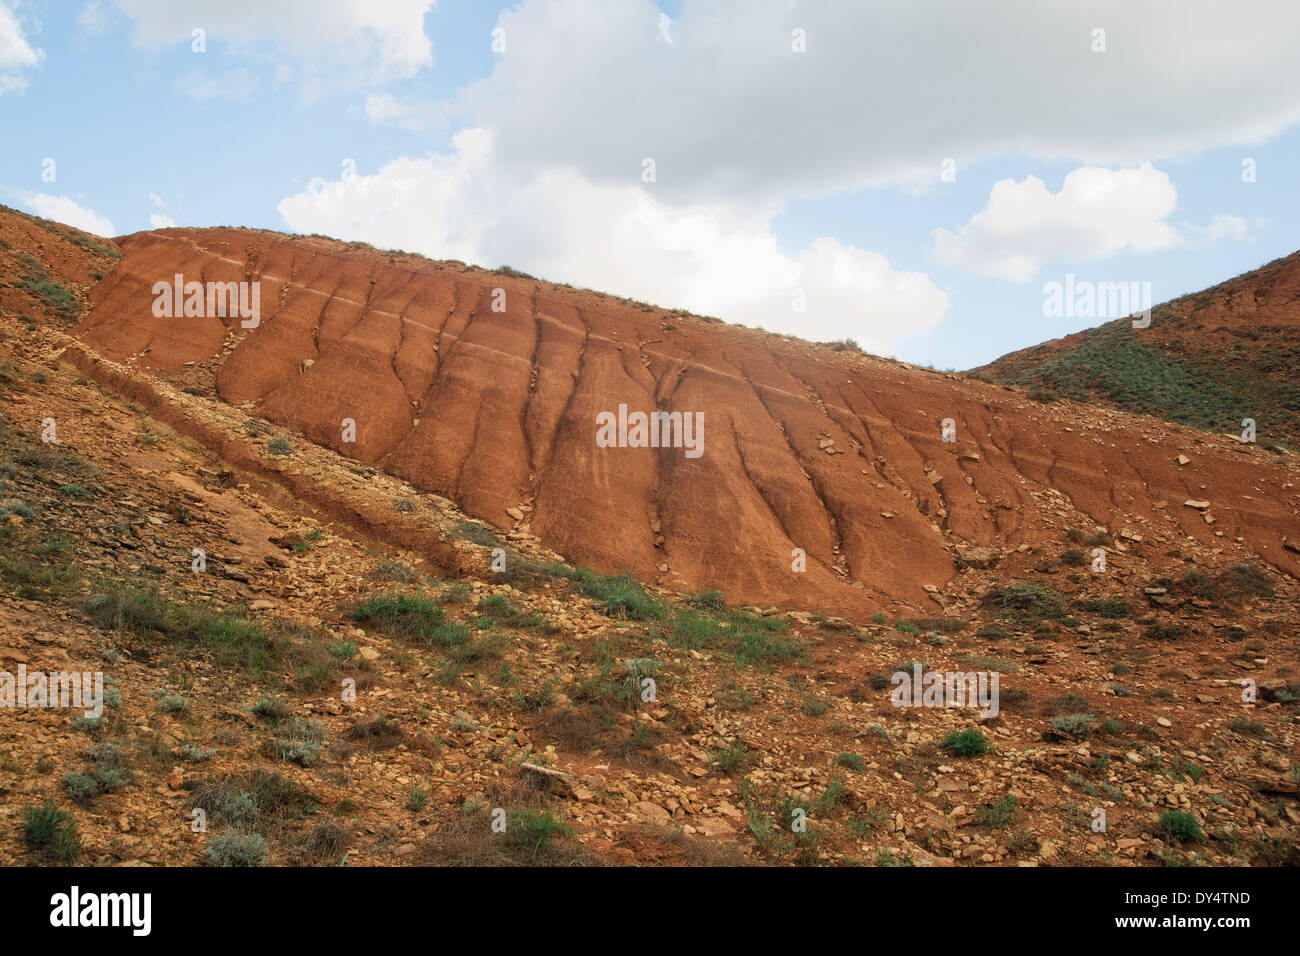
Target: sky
[[914, 175]]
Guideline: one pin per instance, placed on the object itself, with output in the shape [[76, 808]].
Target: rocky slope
[[348, 679]]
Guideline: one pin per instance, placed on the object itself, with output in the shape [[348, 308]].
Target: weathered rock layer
[[485, 388]]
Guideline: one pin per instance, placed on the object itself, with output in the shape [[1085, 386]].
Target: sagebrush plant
[[1074, 725], [236, 848]]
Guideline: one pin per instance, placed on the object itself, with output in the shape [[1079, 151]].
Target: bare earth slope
[[832, 452]]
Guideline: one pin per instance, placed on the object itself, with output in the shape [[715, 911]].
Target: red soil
[[498, 409]]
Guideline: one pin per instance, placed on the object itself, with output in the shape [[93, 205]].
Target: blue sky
[[781, 175]]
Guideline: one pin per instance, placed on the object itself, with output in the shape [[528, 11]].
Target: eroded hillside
[[833, 452], [346, 678]]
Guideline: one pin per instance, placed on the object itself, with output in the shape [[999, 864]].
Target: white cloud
[[885, 90], [420, 116], [236, 84], [16, 53], [362, 40], [713, 258], [1097, 214], [64, 210]]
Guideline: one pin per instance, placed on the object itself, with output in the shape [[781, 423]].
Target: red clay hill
[[805, 446]]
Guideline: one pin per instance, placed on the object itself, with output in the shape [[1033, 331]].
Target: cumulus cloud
[[16, 53], [364, 41], [714, 258], [64, 210], [884, 92], [1098, 213]]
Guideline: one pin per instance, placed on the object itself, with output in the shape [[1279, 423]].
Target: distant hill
[[1208, 360]]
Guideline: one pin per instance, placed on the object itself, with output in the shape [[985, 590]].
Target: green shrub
[[535, 829], [1108, 608], [1000, 814], [51, 832], [732, 757], [1027, 601], [1180, 825], [621, 597], [497, 607], [232, 639], [966, 743], [417, 798], [12, 506], [852, 761], [417, 619], [750, 638]]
